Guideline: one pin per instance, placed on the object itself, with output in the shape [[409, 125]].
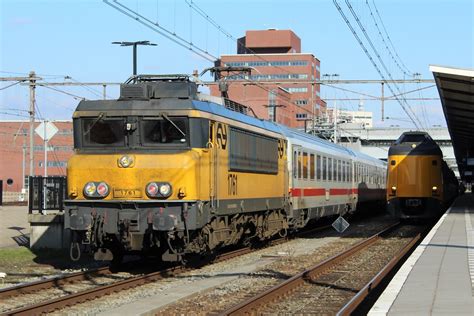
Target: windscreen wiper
[[172, 123], [99, 118]]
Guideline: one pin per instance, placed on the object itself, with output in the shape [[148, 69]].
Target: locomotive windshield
[[131, 132], [98, 132], [166, 131]]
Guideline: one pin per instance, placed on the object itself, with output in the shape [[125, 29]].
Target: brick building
[[280, 85], [15, 156]]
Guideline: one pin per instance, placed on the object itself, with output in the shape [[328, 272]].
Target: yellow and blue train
[[420, 184], [168, 171]]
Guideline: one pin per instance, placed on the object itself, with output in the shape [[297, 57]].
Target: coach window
[[335, 169], [295, 164], [349, 166], [325, 168], [339, 171], [344, 171], [299, 165], [329, 169], [311, 166], [348, 170], [305, 165], [318, 167]]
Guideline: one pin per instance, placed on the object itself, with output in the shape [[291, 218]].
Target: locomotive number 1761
[[232, 184]]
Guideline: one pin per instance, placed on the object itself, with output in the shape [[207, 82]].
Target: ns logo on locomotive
[[168, 171]]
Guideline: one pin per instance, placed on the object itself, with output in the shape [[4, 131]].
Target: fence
[[46, 193]]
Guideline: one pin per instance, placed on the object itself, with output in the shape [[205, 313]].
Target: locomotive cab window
[[170, 131], [101, 132]]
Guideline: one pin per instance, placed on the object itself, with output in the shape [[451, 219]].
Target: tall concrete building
[[281, 85]]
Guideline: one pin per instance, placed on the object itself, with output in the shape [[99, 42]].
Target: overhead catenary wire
[[86, 87], [155, 26], [377, 54], [364, 48], [404, 71], [388, 37], [10, 85], [61, 91]]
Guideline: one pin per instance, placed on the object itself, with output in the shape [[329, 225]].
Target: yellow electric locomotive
[[419, 182], [159, 170]]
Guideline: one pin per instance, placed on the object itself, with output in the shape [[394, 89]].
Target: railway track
[[98, 291], [330, 284]]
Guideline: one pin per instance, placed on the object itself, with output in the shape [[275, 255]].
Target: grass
[[24, 255], [16, 255]]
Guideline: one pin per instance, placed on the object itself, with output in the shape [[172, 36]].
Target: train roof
[[414, 143], [183, 95]]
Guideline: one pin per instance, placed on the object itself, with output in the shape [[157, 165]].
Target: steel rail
[[251, 305], [60, 302], [357, 300], [30, 287]]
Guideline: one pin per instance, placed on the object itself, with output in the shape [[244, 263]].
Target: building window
[[261, 77], [297, 89], [275, 63], [53, 164], [301, 102]]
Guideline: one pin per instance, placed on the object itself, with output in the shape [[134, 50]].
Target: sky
[[73, 38]]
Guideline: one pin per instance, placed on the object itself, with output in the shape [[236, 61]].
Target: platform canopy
[[456, 90]]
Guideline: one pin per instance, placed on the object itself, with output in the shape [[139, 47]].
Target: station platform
[[438, 278]]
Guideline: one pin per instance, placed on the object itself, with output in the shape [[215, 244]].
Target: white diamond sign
[[340, 224], [46, 130]]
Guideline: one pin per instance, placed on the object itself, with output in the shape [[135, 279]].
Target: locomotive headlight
[[126, 161], [165, 189], [90, 189], [103, 189], [158, 189], [394, 191], [152, 189], [434, 188]]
